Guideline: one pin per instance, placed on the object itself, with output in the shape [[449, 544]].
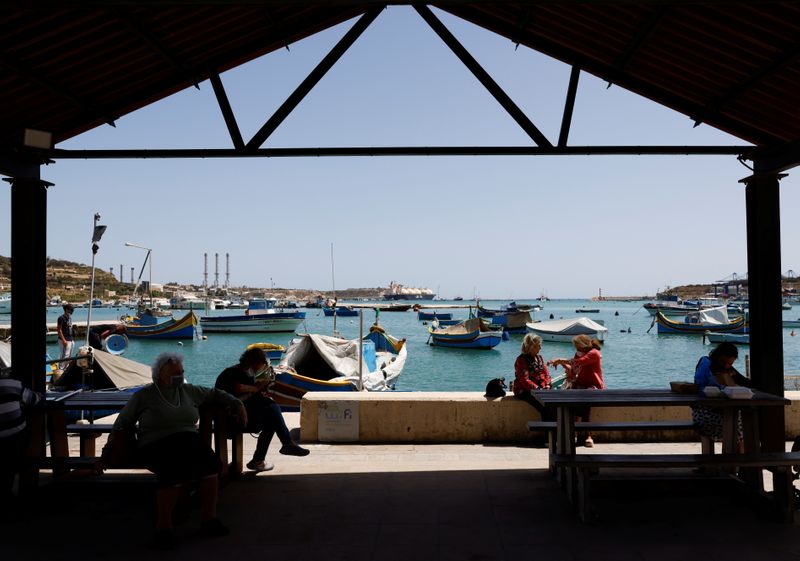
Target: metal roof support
[[641, 36], [569, 105], [762, 195], [227, 112], [482, 76], [777, 158], [313, 78], [352, 151], [695, 110]]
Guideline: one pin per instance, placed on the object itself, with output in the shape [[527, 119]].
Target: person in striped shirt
[[14, 399]]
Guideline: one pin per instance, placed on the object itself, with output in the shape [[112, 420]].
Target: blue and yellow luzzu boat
[[146, 326], [697, 323]]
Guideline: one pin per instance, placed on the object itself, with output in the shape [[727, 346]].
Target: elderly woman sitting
[[169, 444]]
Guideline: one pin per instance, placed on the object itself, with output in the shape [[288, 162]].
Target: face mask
[[175, 381]]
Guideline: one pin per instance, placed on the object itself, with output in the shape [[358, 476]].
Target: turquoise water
[[635, 359]]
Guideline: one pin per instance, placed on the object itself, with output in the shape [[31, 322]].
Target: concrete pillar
[[28, 279], [764, 286]]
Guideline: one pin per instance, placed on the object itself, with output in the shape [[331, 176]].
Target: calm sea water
[[635, 359]]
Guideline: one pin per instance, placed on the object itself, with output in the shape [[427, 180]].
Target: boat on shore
[[261, 316], [563, 330], [146, 326], [321, 363], [474, 333]]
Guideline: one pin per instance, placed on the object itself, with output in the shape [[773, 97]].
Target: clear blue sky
[[508, 227]]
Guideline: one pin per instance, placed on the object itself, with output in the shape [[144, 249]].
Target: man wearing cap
[[65, 342]]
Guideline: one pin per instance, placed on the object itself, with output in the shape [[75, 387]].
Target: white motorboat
[[186, 302], [260, 317], [563, 330]]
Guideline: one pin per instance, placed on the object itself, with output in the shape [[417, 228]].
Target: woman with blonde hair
[[530, 373], [584, 371]]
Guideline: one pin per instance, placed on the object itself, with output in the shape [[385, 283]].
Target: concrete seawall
[[463, 417]]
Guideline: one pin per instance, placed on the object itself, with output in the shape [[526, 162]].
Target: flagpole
[[97, 233]]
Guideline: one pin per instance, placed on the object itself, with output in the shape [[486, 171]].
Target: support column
[[28, 280], [764, 287]]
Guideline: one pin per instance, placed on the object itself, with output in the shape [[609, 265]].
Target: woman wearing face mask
[[169, 444], [263, 413]]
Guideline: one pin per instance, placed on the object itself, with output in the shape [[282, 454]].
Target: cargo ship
[[399, 292]]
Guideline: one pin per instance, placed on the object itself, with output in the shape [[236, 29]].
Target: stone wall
[[450, 417]]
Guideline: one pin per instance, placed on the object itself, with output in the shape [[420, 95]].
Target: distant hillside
[[71, 281]]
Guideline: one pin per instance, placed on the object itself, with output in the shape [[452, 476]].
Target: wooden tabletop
[[89, 400], [645, 397]]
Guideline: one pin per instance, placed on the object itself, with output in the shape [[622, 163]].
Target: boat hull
[[430, 316], [480, 340], [735, 338], [408, 296], [791, 323], [667, 326], [289, 388], [341, 312], [183, 328], [253, 323]]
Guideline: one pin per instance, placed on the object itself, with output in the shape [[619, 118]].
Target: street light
[[147, 257], [97, 233]]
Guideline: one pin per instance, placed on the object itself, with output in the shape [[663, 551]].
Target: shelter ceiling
[[732, 65]]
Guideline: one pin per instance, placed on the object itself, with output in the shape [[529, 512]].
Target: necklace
[[165, 400]]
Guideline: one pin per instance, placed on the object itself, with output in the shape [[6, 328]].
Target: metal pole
[[91, 287], [150, 282], [361, 349]]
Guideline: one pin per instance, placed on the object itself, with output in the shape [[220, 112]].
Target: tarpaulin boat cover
[[712, 316], [578, 326], [109, 371], [5, 354], [332, 359], [465, 327]]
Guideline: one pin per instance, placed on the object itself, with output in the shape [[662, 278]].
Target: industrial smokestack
[[227, 270], [132, 275], [216, 270], [120, 273], [205, 271]]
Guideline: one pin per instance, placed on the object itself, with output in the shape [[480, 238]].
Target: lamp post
[[147, 257], [97, 233]]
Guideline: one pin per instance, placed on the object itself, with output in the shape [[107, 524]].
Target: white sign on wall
[[338, 421]]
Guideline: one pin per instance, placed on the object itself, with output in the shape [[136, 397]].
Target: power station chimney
[[205, 272], [216, 270], [120, 273], [131, 275], [227, 270]]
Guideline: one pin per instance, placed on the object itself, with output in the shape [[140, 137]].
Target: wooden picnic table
[[566, 402]]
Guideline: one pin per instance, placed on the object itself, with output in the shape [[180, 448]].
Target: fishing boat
[[394, 308], [458, 299], [510, 308], [321, 363], [445, 322], [712, 319], [735, 338], [587, 311], [146, 326], [430, 316], [791, 323], [670, 309], [274, 352], [340, 311], [474, 333], [563, 330], [511, 322], [5, 303], [786, 306], [261, 316], [186, 302]]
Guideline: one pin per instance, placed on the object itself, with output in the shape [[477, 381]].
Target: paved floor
[[406, 502]]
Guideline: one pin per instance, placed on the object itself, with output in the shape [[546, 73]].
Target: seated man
[[263, 413], [98, 334]]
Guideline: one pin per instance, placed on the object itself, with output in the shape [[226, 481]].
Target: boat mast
[[333, 284]]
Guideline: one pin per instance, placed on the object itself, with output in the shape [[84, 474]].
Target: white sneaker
[[253, 465]]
